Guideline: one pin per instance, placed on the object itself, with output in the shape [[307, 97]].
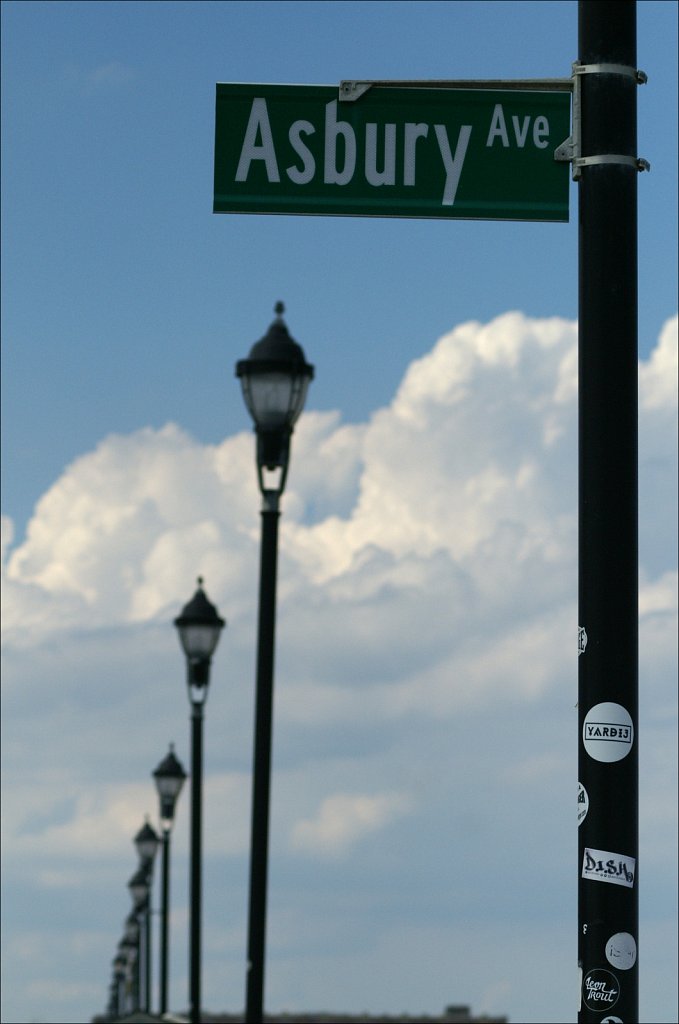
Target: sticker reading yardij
[[608, 732]]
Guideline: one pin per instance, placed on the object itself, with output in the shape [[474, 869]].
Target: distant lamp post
[[199, 627], [118, 1002], [274, 379], [169, 777], [131, 933], [112, 1005], [128, 950], [139, 886], [146, 842]]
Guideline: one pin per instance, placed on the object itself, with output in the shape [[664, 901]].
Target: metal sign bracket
[[351, 89], [570, 151]]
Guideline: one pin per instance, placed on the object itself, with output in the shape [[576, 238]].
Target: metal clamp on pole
[[640, 77], [570, 151], [612, 158]]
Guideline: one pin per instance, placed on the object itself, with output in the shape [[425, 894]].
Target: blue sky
[[428, 559]]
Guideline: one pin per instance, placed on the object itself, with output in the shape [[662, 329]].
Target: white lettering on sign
[[303, 175], [498, 129], [258, 123], [333, 129], [413, 132], [387, 176], [452, 165], [340, 150]]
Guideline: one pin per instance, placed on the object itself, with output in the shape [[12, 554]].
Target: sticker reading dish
[[603, 866]]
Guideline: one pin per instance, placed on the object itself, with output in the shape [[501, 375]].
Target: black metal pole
[[608, 503], [136, 984], [254, 1007], [148, 924], [196, 799], [165, 903]]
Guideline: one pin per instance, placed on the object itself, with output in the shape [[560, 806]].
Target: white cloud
[[91, 820], [658, 378], [118, 536], [343, 819], [476, 457]]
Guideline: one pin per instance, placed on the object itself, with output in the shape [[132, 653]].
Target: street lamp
[[119, 964], [146, 842], [169, 777], [128, 950], [274, 378], [199, 628], [139, 886]]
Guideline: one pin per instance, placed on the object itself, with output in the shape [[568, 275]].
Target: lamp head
[[169, 778], [146, 841], [274, 379], [199, 627]]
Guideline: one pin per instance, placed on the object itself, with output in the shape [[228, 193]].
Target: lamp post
[[146, 842], [199, 627], [274, 379], [169, 777], [128, 949], [139, 887], [119, 963]]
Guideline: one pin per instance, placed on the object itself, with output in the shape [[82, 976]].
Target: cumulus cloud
[[475, 459], [470, 442], [343, 819], [436, 542], [658, 377], [119, 534]]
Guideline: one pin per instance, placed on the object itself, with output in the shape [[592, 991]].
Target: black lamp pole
[[129, 950], [199, 627], [169, 777], [608, 748], [274, 379], [139, 886], [146, 842], [119, 979]]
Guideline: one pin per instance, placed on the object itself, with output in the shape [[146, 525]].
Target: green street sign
[[394, 152]]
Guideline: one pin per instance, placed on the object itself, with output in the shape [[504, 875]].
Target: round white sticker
[[608, 732], [583, 803], [621, 951]]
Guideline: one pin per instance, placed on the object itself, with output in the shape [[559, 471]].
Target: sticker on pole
[[601, 990], [621, 951], [608, 732], [603, 866], [582, 640], [583, 803]]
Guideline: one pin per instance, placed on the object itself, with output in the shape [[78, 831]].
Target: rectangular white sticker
[[602, 866]]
